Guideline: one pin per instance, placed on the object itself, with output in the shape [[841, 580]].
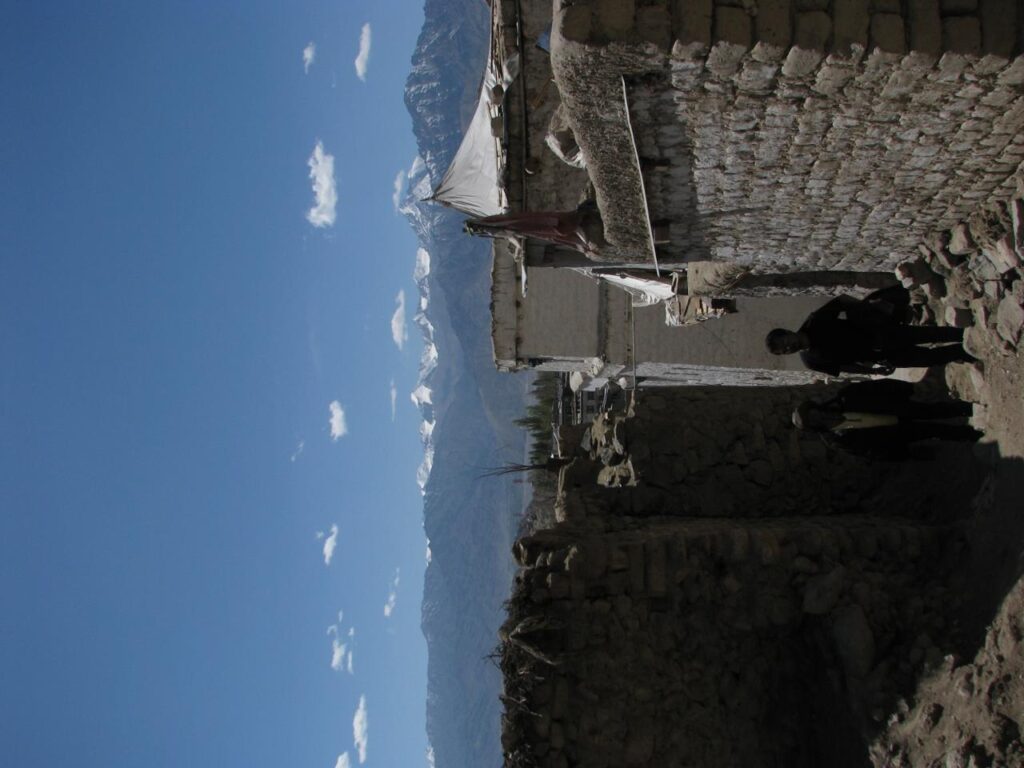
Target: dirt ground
[[969, 709]]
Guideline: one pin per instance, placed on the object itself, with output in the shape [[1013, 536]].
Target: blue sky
[[181, 303]]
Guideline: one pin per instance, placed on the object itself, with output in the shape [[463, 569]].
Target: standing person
[[581, 229], [869, 335], [880, 419]]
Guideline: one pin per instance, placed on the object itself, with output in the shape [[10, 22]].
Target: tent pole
[[640, 172]]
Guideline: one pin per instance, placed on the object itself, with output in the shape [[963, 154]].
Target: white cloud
[[298, 450], [308, 55], [343, 761], [394, 398], [430, 757], [363, 59], [396, 196], [330, 543], [339, 427], [360, 729], [333, 629], [341, 653], [325, 191], [399, 331], [338, 652], [389, 606]]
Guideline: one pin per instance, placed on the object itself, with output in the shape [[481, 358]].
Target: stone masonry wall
[[711, 451], [706, 643], [757, 599], [798, 134]]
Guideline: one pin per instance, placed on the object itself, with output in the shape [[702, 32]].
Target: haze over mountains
[[467, 407]]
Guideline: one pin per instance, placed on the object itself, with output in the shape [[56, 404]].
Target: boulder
[[1002, 255], [958, 317], [960, 243], [1009, 320]]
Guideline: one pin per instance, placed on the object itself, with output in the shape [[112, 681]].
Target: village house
[[795, 147]]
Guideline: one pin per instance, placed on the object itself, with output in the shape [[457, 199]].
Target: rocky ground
[[969, 711]]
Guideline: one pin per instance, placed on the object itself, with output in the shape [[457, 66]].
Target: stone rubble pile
[[972, 276]]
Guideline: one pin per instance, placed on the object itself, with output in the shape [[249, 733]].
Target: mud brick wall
[[734, 451], [708, 643], [799, 134]]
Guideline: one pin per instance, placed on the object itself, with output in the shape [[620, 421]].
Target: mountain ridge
[[467, 407]]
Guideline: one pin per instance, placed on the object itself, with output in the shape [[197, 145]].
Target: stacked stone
[[589, 79], [863, 129], [669, 173], [707, 642], [812, 135]]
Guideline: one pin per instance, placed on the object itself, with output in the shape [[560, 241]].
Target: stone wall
[[708, 451], [756, 600], [798, 134], [707, 643]]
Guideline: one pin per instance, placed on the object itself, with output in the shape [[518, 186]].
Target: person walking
[[880, 419], [868, 336]]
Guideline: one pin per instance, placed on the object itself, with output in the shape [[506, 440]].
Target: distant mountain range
[[466, 405]]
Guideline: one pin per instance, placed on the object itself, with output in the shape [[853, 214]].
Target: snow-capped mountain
[[467, 407]]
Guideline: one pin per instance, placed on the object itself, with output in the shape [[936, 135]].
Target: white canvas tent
[[472, 183]]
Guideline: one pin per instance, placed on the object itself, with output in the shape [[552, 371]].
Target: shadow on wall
[[733, 452], [993, 563], [746, 631]]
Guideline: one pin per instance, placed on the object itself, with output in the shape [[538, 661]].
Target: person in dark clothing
[[869, 336], [880, 419]]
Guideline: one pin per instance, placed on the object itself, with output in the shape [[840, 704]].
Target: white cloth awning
[[645, 293]]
